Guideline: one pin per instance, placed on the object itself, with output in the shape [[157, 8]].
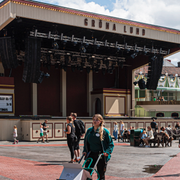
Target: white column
[[63, 94], [89, 89], [34, 98]]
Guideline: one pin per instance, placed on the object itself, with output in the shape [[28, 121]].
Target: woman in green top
[[97, 141]]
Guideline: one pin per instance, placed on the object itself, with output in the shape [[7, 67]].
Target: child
[[144, 135], [41, 134], [115, 131], [15, 135]]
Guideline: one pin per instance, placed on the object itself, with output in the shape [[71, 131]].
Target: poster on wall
[[6, 103]]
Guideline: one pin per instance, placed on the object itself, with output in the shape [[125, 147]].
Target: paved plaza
[[31, 160]]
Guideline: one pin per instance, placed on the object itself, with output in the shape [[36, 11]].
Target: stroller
[[78, 172]]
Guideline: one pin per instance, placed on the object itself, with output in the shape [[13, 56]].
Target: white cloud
[[82, 5], [161, 12]]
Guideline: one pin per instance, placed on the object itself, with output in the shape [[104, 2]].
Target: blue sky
[[159, 12], [106, 3]]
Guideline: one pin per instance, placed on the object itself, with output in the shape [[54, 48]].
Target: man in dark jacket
[[154, 125], [78, 134]]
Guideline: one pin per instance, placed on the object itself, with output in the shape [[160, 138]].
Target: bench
[[126, 137], [174, 133]]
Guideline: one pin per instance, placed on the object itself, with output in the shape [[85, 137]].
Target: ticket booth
[[111, 102]]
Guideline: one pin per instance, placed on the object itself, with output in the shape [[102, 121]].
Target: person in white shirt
[[169, 128], [15, 135], [121, 128], [41, 133], [115, 131], [149, 136]]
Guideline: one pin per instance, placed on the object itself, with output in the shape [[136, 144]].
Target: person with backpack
[[79, 131]]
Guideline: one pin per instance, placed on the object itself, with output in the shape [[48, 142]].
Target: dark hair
[[74, 114]]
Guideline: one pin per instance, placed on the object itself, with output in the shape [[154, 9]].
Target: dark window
[[142, 94], [131, 30], [137, 31], [143, 32], [160, 114], [174, 114]]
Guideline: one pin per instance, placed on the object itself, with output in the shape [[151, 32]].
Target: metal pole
[[97, 161]]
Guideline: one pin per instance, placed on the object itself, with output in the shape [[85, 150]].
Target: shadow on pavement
[[56, 161], [169, 175], [52, 163]]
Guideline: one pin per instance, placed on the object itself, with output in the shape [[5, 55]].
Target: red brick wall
[[108, 80], [103, 81], [7, 80], [76, 92], [23, 94], [49, 93]]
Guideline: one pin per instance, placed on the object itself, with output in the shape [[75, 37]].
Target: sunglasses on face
[[96, 120]]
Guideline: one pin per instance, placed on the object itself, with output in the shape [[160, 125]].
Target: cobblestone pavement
[[31, 160]]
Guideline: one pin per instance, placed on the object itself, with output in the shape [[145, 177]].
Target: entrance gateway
[[89, 60]]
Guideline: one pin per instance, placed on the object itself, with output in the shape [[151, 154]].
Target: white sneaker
[[141, 145], [147, 146]]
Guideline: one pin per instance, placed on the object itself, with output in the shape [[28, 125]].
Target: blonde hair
[[100, 118], [115, 123], [121, 122], [69, 118], [15, 127]]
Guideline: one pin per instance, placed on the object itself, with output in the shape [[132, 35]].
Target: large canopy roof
[[19, 17]]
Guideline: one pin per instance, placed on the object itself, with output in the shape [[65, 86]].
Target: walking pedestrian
[[45, 134], [41, 134], [121, 128], [97, 141], [78, 135], [115, 131], [15, 135], [70, 131]]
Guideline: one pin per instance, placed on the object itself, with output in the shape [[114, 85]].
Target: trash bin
[[135, 135]]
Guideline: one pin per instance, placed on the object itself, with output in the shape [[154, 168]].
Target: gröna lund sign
[[113, 27]]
